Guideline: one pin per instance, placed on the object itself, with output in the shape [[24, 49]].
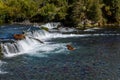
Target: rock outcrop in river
[[0, 52]]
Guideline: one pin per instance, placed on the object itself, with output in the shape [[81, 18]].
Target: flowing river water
[[96, 55]]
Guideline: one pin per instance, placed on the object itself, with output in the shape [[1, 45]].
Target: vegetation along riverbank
[[75, 13]]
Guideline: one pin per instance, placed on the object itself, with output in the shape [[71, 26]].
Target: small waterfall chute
[[51, 25], [33, 38], [19, 47]]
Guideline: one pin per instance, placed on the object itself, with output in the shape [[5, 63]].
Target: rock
[[7, 40], [1, 52], [45, 28], [37, 40], [19, 36]]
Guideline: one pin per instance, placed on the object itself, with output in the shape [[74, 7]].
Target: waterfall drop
[[33, 37]]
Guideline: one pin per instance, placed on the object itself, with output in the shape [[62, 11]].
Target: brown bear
[[69, 47], [19, 36]]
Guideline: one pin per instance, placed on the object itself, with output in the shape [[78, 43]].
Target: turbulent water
[[96, 55]]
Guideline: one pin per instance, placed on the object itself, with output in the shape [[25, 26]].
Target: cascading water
[[96, 55], [51, 25], [18, 47], [33, 38]]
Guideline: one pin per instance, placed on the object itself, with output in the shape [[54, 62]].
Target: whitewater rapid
[[28, 44], [34, 38]]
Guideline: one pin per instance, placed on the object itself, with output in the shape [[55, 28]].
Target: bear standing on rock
[[19, 36]]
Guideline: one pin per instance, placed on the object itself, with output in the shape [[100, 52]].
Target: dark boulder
[[1, 54]]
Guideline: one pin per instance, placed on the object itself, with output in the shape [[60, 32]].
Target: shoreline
[[110, 25]]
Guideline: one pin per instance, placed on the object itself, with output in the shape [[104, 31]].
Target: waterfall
[[51, 25], [18, 47], [33, 38], [21, 46]]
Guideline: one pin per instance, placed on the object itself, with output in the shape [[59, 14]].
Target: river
[[96, 56]]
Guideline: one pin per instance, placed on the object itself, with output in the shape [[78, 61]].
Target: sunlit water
[[96, 57]]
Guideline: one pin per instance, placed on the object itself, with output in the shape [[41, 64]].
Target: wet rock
[[44, 28], [1, 52]]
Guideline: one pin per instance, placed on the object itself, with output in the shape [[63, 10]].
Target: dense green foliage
[[77, 13]]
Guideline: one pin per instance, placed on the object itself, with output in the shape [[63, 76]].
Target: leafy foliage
[[68, 11], [112, 10]]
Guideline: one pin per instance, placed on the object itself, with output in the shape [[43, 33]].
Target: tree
[[20, 9], [78, 13], [117, 10], [95, 12], [112, 10], [49, 11], [54, 9], [29, 8], [3, 11]]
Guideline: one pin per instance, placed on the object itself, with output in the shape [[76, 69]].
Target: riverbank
[[87, 24]]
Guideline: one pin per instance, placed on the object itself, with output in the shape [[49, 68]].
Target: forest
[[75, 13]]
